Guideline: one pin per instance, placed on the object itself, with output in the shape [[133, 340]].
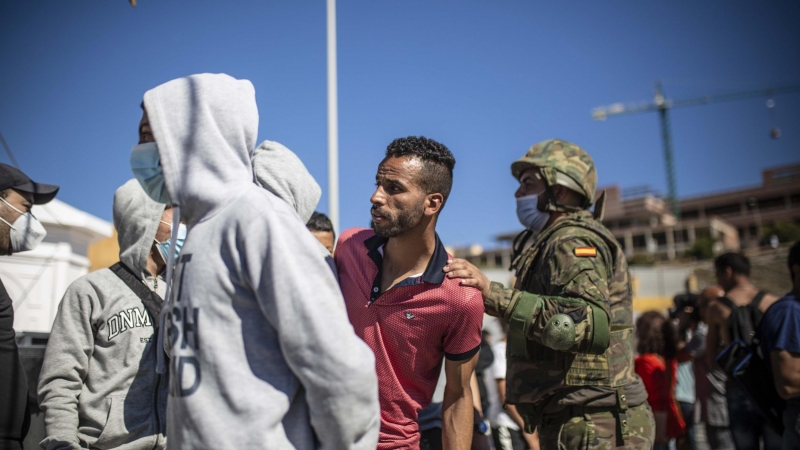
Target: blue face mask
[[163, 247], [529, 215], [146, 167]]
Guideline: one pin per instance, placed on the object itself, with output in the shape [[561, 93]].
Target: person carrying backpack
[[780, 342], [737, 315]]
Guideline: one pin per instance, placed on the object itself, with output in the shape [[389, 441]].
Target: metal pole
[[333, 121], [666, 136]]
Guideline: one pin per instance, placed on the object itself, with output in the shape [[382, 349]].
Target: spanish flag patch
[[585, 251]]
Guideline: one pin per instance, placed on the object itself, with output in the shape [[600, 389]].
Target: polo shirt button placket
[[374, 295]]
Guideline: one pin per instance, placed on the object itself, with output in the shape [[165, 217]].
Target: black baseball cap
[[11, 177]]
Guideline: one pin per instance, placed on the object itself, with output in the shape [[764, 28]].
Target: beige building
[[644, 225], [750, 209]]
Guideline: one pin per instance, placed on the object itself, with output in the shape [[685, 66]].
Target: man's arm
[[786, 371], [457, 408], [66, 365], [531, 439], [476, 393], [717, 332], [583, 303]]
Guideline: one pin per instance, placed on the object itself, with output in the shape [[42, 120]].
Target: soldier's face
[[530, 183], [398, 203]]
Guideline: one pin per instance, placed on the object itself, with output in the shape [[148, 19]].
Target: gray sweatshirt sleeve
[[301, 299], [65, 365]]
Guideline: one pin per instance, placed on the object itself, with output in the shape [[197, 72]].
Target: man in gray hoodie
[[98, 386], [262, 353]]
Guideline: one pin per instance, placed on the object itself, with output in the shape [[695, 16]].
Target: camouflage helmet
[[561, 162]]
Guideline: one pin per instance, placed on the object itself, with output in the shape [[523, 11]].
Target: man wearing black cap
[[19, 231]]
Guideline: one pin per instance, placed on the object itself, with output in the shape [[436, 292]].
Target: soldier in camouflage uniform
[[570, 315]]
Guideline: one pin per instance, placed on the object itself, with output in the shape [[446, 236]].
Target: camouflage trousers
[[599, 431]]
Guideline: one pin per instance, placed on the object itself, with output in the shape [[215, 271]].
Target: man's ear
[[560, 193], [433, 204]]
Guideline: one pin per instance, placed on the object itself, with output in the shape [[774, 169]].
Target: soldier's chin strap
[[600, 207], [553, 205]]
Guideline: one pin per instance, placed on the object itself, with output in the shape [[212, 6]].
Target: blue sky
[[486, 78]]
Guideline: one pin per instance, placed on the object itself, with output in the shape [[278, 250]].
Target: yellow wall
[[642, 304], [104, 253]]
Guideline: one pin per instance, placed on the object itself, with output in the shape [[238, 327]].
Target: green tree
[[785, 230], [703, 248]]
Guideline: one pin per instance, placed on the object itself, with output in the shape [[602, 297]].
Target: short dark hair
[[4, 193], [737, 262], [794, 255], [436, 175], [319, 222]]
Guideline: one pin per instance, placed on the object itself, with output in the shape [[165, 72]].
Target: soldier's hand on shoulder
[[468, 273]]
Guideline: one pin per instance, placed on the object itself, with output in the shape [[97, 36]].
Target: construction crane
[[663, 105]]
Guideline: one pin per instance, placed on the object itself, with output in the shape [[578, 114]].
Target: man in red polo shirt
[[400, 302]]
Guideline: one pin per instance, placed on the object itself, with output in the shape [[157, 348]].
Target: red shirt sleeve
[[653, 373], [463, 337]]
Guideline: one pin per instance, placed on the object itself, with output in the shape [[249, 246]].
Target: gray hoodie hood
[[205, 126], [278, 170], [136, 218]]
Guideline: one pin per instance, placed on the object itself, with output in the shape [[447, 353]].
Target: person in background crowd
[[709, 381], [507, 425], [570, 312], [430, 417], [19, 232], [742, 302], [780, 341], [321, 227], [657, 365], [98, 385], [400, 302], [481, 434], [686, 315], [261, 351], [278, 170]]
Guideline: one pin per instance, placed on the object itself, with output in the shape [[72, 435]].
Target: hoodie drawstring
[[161, 366]]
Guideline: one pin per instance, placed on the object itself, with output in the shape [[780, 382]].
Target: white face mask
[[529, 215], [26, 232]]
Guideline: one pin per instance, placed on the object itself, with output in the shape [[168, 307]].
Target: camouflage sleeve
[[573, 315]]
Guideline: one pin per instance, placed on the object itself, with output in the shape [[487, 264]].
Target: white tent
[[37, 280]]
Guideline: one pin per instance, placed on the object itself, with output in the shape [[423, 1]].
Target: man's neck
[[742, 291], [153, 267], [407, 254], [742, 284], [555, 216]]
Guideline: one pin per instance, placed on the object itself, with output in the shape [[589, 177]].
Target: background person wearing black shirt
[[19, 232]]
